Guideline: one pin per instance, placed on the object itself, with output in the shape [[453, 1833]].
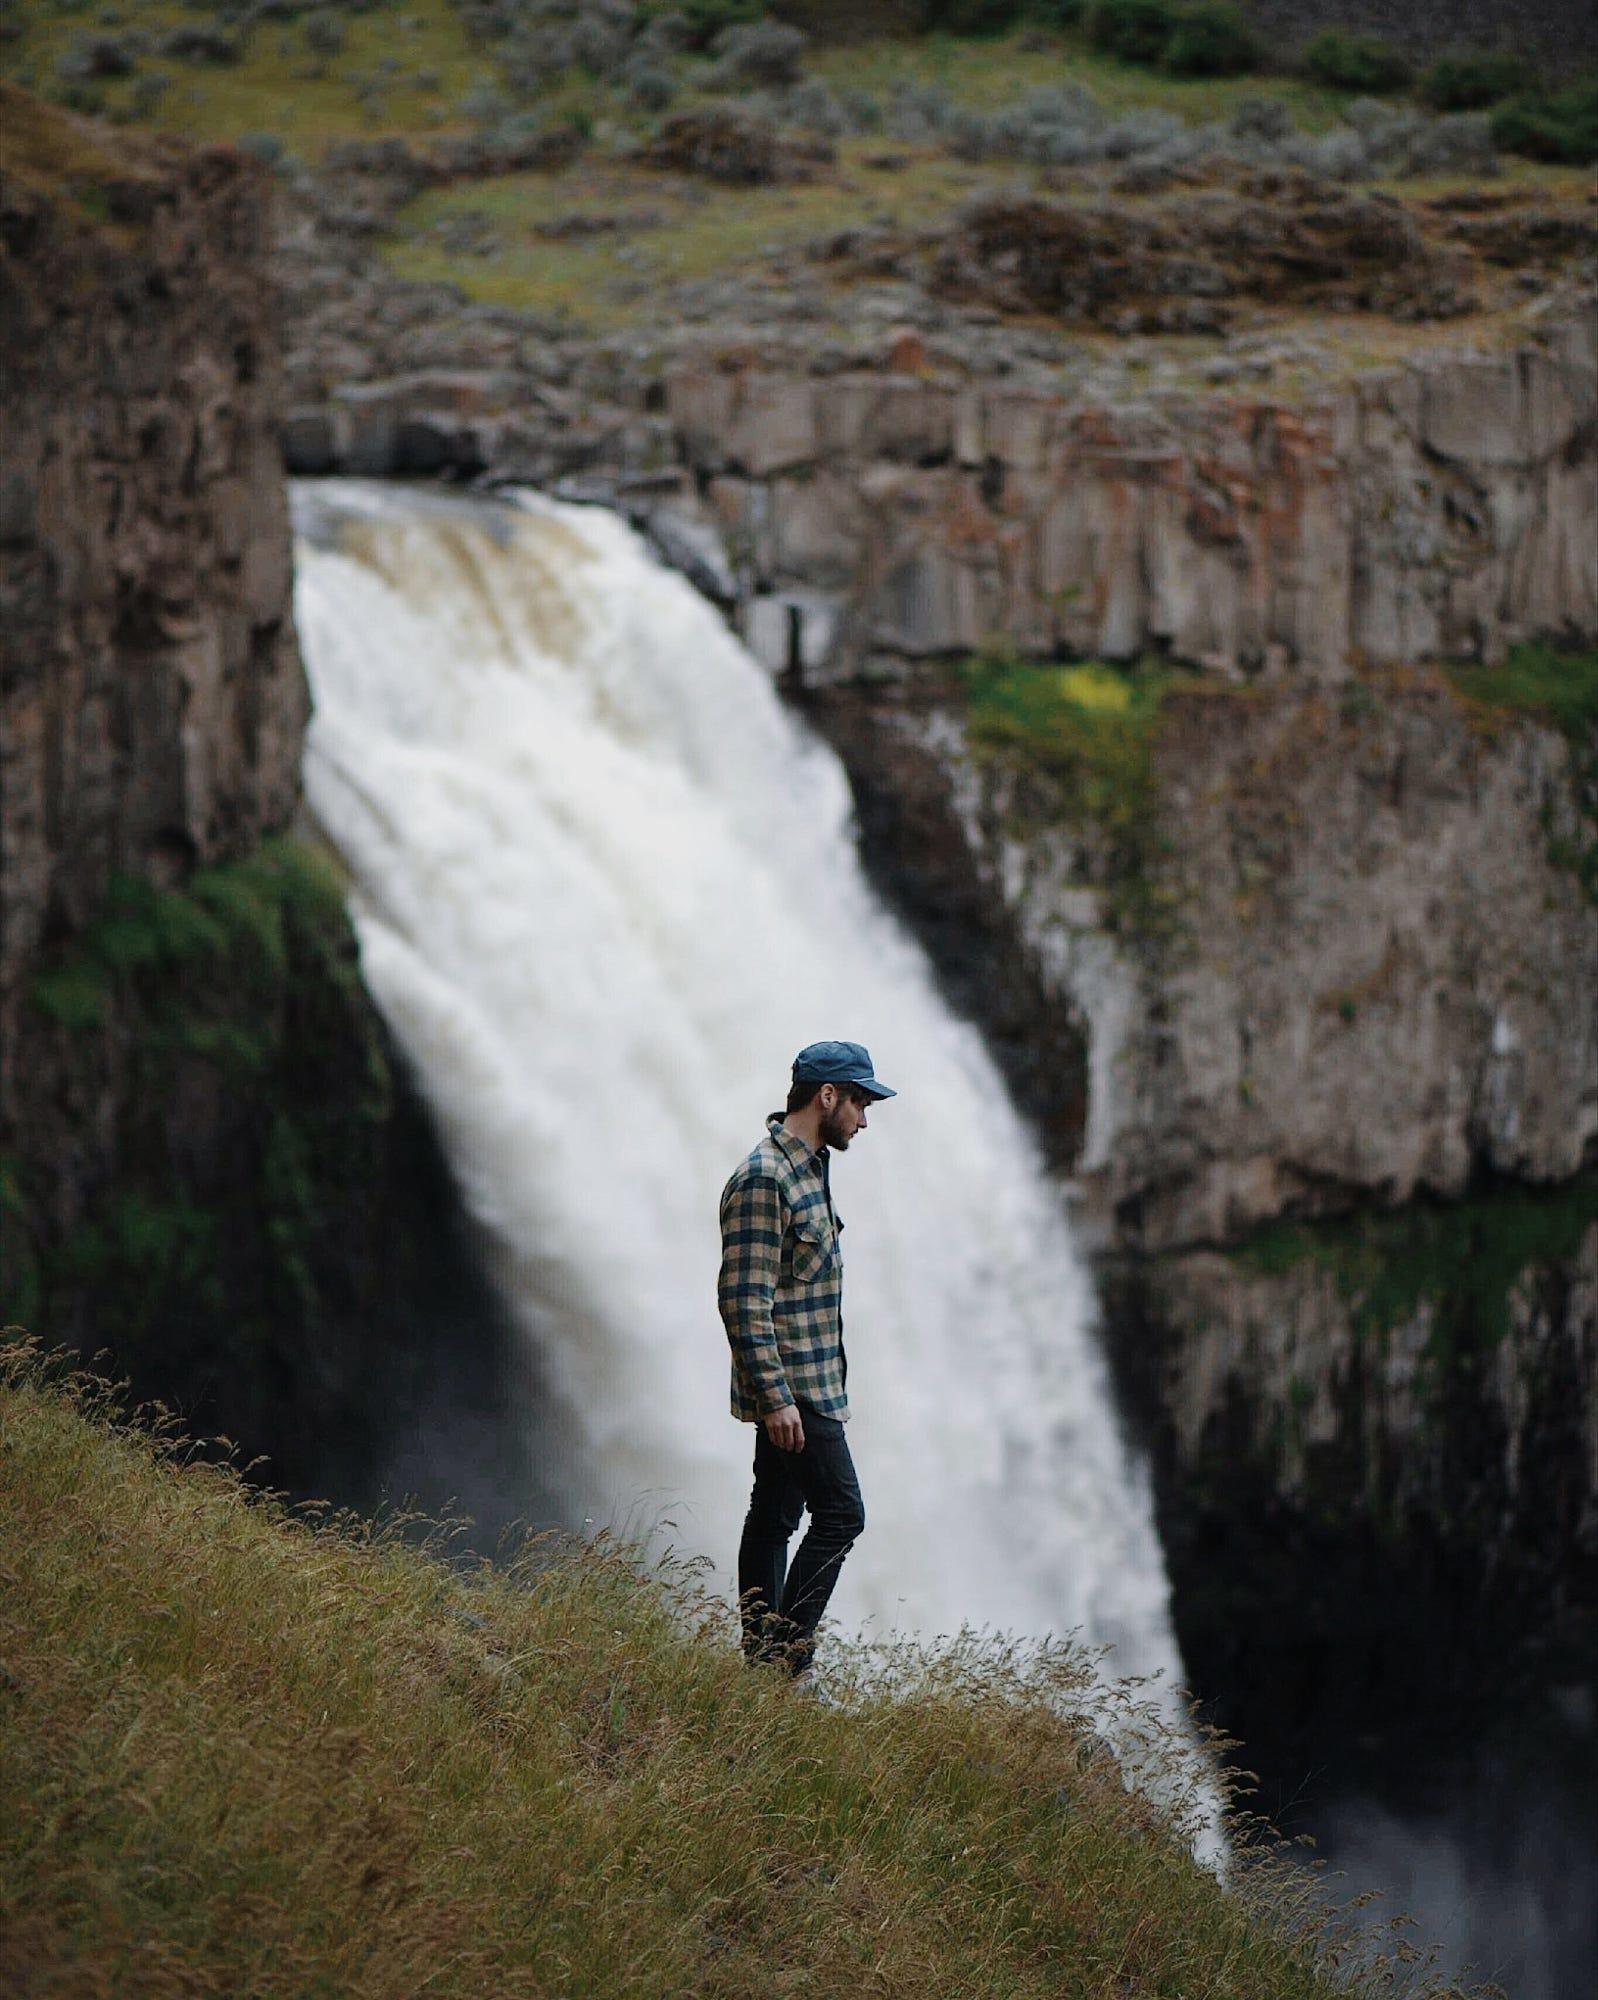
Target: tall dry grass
[[253, 1751]]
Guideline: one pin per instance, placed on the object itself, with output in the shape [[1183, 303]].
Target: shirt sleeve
[[751, 1248]]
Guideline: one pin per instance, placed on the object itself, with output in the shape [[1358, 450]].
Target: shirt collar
[[797, 1151]]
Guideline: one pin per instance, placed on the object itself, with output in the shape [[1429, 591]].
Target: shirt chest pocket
[[813, 1246]]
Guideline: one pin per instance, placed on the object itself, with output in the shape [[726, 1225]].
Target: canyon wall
[[1447, 507], [1352, 961], [154, 698], [871, 519], [1335, 974], [213, 1172], [1311, 1034]]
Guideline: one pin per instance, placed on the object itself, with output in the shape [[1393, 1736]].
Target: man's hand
[[785, 1428]]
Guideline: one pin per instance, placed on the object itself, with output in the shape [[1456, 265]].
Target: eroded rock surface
[[212, 1167], [1369, 976], [1312, 1033], [913, 445], [154, 701]]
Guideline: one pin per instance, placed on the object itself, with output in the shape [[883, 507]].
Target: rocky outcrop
[[153, 694], [1281, 237], [880, 518], [1444, 507], [212, 1168], [1348, 964], [1375, 1446], [1464, 1395], [1306, 1012]]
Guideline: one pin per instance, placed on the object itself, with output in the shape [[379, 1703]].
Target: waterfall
[[604, 887]]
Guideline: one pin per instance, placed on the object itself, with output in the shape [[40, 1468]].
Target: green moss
[[239, 994], [1090, 725], [140, 1250], [1558, 686], [72, 995], [229, 920], [1090, 730], [1551, 681], [1462, 1259], [290, 1192], [247, 902], [240, 1050]]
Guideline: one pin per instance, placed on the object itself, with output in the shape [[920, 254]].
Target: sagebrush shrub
[[973, 17], [1559, 126], [1472, 83], [90, 57], [1212, 39], [1136, 31], [1355, 62], [705, 19], [324, 34], [649, 85]]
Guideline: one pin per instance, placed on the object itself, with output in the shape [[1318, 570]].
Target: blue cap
[[839, 1062]]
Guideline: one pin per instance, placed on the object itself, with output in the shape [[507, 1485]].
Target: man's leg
[[825, 1474], [776, 1507]]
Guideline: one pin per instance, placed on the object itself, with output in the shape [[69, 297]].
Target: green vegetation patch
[[1557, 686], [244, 1750], [60, 157], [1090, 725], [1473, 82], [309, 76], [1463, 1259], [1550, 681], [239, 997], [1090, 730], [645, 232], [230, 920], [1213, 39], [291, 83], [1557, 126], [1361, 64]]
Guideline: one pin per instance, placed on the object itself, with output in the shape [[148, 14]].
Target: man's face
[[843, 1118]]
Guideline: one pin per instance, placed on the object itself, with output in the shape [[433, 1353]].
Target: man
[[781, 1300]]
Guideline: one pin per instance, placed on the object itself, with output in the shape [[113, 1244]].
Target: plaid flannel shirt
[[781, 1286]]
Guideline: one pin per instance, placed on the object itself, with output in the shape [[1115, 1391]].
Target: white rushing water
[[605, 886]]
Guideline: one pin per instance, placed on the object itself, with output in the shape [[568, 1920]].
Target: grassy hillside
[[410, 66], [243, 1751], [598, 240]]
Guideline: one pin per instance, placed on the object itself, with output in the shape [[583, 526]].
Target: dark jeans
[[780, 1617]]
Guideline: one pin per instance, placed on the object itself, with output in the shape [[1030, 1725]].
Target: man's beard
[[832, 1132]]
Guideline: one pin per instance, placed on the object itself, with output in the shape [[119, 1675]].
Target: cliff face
[[1376, 1466], [1307, 1012], [211, 1164], [877, 519], [1360, 970], [1447, 507], [153, 693]]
